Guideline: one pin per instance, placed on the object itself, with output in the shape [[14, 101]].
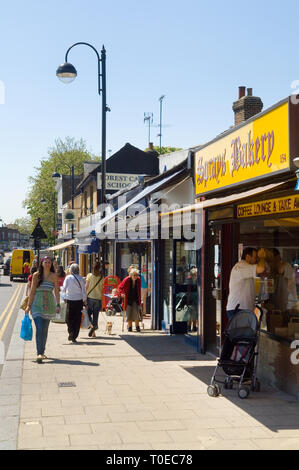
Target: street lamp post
[[67, 73]]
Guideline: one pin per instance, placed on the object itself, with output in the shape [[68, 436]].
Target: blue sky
[[194, 52]]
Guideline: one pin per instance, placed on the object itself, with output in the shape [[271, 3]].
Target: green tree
[[164, 149], [61, 157], [23, 224]]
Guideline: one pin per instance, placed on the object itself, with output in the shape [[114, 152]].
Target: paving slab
[[132, 391]]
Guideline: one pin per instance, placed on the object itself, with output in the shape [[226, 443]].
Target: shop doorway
[[184, 289], [218, 267], [138, 254]]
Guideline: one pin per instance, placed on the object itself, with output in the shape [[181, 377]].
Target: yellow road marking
[[11, 301], [10, 313]]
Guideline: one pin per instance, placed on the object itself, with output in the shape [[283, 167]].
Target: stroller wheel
[[243, 392], [213, 390]]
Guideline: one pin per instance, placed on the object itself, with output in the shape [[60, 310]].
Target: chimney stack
[[246, 106], [242, 90]]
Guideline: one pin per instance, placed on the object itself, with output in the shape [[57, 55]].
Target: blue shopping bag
[[26, 329]]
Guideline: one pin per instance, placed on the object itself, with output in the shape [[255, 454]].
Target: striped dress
[[44, 304]]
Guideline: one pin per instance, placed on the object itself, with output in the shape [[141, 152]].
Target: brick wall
[[246, 106]]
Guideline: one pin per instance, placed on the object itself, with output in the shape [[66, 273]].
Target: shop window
[[186, 285], [277, 289], [139, 255]]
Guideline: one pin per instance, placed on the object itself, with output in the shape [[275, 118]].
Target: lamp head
[[66, 72], [43, 200], [56, 176], [296, 161]]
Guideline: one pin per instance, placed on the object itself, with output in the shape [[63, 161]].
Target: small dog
[[109, 325]]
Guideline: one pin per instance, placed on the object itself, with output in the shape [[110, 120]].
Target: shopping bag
[[61, 316], [26, 329], [84, 319]]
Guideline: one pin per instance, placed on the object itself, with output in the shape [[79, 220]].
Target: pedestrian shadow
[[71, 362], [5, 285], [92, 343], [113, 337]]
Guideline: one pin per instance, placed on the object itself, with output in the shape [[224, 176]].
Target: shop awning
[[225, 200], [61, 246], [88, 248], [84, 234]]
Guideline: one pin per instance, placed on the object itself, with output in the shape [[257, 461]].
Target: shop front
[[245, 187], [139, 254], [179, 288]]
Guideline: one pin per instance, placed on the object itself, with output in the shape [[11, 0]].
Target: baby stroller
[[239, 354], [114, 305]]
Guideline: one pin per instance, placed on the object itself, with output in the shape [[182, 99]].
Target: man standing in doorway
[[241, 285]]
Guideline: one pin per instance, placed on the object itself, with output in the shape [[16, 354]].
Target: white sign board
[[116, 181]]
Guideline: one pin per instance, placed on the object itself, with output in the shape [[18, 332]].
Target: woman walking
[[94, 288], [42, 303], [61, 275], [75, 297], [130, 290], [29, 282]]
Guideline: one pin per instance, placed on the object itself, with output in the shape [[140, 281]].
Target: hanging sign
[[69, 216], [269, 207]]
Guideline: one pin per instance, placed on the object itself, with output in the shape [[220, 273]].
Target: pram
[[114, 306], [239, 354]]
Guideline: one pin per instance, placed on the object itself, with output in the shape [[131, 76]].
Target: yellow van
[[20, 259]]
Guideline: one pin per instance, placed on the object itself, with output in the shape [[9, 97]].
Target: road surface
[[11, 296]]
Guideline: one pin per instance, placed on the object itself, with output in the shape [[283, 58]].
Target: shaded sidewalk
[[133, 391]]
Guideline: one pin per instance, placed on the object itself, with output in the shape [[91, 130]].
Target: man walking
[[241, 284]]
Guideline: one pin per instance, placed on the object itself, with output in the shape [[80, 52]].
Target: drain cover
[[66, 384]]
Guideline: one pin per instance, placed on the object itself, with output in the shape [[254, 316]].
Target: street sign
[[38, 231]]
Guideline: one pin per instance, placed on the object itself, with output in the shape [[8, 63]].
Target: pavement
[[131, 391]]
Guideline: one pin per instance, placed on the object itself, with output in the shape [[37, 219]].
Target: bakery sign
[[116, 181], [255, 150]]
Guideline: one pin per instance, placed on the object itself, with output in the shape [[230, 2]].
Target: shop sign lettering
[[257, 149], [116, 181], [212, 169], [252, 152], [269, 207]]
